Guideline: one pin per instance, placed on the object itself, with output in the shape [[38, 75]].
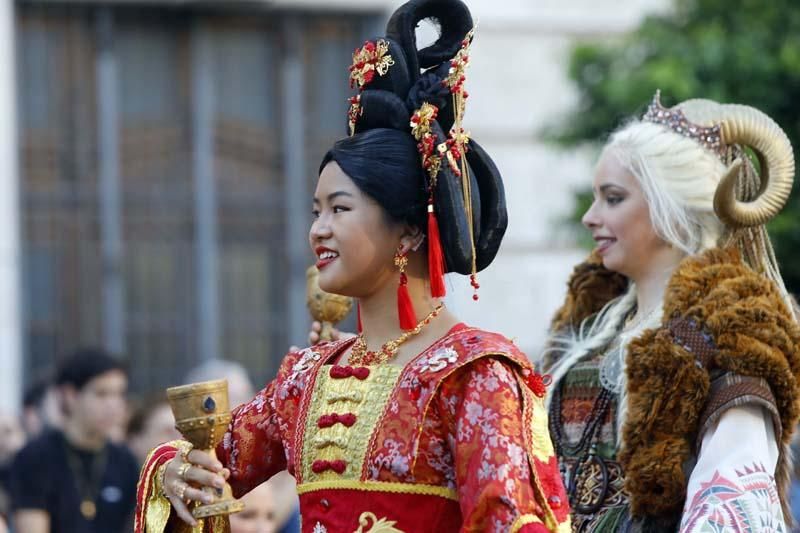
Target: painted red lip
[[322, 263], [603, 243]]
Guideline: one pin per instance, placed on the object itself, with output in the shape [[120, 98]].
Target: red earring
[[405, 309], [435, 255]]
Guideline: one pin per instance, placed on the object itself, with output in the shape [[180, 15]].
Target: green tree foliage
[[743, 51]]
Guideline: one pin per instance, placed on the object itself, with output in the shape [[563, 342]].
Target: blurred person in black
[[12, 438], [40, 407], [74, 479]]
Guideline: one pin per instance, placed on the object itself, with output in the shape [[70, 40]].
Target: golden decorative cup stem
[[327, 308], [202, 415], [327, 331]]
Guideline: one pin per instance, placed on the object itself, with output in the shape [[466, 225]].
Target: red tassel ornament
[[358, 315], [435, 255], [405, 309]]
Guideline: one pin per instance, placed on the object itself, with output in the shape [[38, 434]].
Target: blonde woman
[[674, 359]]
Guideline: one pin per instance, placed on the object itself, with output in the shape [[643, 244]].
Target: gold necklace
[[88, 484], [360, 356]]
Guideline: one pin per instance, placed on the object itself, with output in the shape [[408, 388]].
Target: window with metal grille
[[111, 103]]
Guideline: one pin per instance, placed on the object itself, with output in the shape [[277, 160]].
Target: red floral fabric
[[456, 419]]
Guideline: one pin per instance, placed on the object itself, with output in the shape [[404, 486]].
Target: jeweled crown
[[709, 136]]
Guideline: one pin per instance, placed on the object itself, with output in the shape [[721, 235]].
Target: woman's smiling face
[[351, 236], [619, 219]]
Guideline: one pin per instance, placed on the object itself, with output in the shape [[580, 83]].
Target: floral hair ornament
[[452, 150], [368, 60], [708, 136], [354, 112], [456, 144], [421, 129], [371, 58], [455, 147]]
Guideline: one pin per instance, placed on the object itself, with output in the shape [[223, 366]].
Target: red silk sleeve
[[251, 448], [255, 446], [482, 409]]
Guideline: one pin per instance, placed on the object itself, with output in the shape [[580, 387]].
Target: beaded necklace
[[360, 356], [589, 464]]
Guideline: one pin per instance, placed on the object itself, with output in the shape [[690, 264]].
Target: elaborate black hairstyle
[[382, 156]]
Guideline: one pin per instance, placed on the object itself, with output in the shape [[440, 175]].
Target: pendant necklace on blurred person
[[87, 469]]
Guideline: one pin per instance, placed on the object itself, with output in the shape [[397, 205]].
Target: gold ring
[[183, 469], [180, 489]]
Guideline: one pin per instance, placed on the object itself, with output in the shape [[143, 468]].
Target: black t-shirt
[[43, 477]]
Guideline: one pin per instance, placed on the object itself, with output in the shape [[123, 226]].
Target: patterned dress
[[584, 430], [456, 440]]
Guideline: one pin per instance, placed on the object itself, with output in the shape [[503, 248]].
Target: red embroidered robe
[[456, 440]]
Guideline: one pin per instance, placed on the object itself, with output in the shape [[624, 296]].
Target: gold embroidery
[[379, 486], [323, 442], [342, 443], [158, 507], [541, 445], [536, 421], [349, 396], [523, 520], [378, 526]]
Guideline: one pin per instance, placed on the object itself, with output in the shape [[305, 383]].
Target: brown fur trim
[[755, 336], [590, 287], [666, 394]]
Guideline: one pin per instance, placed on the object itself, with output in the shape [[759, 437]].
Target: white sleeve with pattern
[[732, 487]]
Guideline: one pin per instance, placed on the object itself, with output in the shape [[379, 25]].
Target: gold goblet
[[325, 307], [202, 415]]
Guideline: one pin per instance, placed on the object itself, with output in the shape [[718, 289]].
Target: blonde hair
[[679, 178]]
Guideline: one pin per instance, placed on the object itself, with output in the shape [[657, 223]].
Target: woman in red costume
[[420, 423]]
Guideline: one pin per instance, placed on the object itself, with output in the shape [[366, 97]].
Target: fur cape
[[754, 335]]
